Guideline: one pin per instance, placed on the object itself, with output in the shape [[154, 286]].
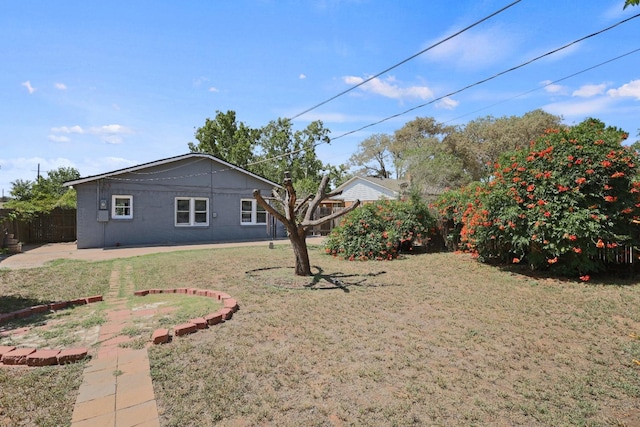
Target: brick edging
[[230, 306], [13, 356], [43, 308]]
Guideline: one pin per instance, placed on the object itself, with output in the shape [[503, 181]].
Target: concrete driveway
[[38, 255]]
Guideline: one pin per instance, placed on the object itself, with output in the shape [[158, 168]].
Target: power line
[[546, 85], [487, 79], [435, 100], [406, 60]]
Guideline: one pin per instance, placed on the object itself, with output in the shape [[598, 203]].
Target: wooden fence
[[57, 226]]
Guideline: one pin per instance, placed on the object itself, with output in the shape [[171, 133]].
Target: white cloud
[[588, 91], [473, 48], [30, 88], [447, 103], [112, 139], [66, 129], [58, 138], [213, 89], [111, 134], [389, 89], [60, 86], [631, 89], [552, 88], [110, 129], [302, 76], [592, 107]]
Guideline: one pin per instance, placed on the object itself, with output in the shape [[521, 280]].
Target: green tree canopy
[[423, 150], [631, 3], [433, 154], [45, 194], [281, 149], [226, 139], [269, 151], [483, 140]]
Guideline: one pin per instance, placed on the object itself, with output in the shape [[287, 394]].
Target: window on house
[[252, 213], [192, 211], [121, 207]]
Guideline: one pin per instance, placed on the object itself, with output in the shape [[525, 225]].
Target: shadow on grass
[[10, 303], [616, 275], [285, 278]]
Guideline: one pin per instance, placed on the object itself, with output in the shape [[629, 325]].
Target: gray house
[[192, 198]]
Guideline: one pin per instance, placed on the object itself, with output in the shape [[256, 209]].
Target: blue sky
[[104, 85]]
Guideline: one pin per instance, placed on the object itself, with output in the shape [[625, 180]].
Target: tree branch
[[267, 207], [320, 196]]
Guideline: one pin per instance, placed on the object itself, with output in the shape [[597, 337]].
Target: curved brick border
[[230, 306], [11, 355]]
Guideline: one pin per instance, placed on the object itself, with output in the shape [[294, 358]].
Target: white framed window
[[191, 212], [251, 213], [121, 207]]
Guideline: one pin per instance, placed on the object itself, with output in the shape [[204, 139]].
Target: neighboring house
[[370, 189], [192, 198]]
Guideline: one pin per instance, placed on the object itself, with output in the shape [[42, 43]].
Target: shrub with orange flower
[[537, 196]]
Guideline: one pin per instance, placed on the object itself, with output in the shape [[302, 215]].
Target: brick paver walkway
[[116, 389]]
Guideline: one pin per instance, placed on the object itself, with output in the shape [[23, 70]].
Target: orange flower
[[585, 278], [572, 237], [577, 250], [617, 175], [600, 244], [581, 180], [552, 260], [515, 260], [610, 199]]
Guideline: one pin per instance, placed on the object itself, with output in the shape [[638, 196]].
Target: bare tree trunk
[[288, 215], [299, 245]]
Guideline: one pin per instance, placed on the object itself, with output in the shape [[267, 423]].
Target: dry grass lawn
[[433, 339]]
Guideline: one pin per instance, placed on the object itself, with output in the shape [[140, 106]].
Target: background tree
[[268, 151], [281, 149], [21, 189], [483, 140], [423, 150], [296, 216], [375, 157], [631, 3], [45, 194], [226, 139]]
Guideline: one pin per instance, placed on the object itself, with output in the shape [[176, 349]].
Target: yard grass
[[432, 339]]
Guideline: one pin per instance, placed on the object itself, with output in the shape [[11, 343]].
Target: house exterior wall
[[154, 191], [365, 192]]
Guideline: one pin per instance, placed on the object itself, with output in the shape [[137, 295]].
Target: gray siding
[[154, 190]]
